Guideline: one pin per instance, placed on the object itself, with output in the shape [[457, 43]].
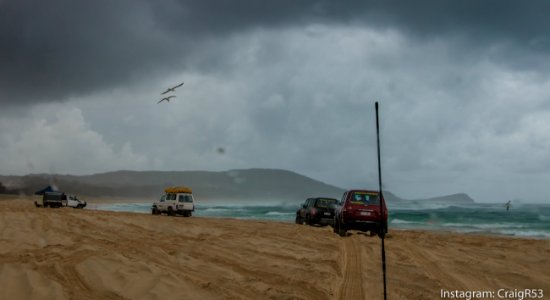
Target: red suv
[[360, 210]]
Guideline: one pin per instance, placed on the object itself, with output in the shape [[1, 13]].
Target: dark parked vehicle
[[360, 210], [53, 199], [317, 211], [59, 199]]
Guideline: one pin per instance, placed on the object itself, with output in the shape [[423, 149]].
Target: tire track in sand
[[351, 286]]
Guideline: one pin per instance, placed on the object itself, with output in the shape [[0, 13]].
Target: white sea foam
[[487, 226], [399, 221], [531, 222], [527, 233], [124, 207], [217, 209], [279, 213]]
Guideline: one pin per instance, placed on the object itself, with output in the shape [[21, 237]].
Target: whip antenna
[[382, 224]]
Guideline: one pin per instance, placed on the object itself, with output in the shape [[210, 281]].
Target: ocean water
[[281, 213], [524, 220]]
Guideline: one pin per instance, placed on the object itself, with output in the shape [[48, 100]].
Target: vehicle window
[[323, 202], [162, 198], [170, 197], [343, 200], [365, 198], [185, 198], [54, 196]]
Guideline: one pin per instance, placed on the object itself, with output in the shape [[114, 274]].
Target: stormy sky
[[463, 87]]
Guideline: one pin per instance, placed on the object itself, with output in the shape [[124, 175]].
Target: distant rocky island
[[455, 199], [267, 185]]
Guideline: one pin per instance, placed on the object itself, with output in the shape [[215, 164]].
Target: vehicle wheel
[[299, 220], [382, 230], [335, 226], [155, 211], [308, 220], [170, 211], [341, 229]]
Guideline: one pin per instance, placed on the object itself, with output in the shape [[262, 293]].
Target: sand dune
[[85, 254]]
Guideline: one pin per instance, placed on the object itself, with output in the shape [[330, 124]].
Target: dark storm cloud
[[52, 50], [516, 20]]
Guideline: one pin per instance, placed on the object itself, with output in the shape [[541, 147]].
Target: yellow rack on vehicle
[[178, 189]]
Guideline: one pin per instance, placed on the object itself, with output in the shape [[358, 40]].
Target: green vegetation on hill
[[233, 185], [243, 185]]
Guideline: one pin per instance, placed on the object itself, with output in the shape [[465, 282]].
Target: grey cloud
[[284, 84], [53, 50]]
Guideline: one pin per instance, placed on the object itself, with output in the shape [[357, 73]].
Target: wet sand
[[68, 253]]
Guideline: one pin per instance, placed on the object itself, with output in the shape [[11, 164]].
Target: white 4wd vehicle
[[176, 201]]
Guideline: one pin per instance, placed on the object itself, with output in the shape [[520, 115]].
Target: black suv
[[317, 211]]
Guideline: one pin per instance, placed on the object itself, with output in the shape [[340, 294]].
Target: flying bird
[[166, 98], [172, 89]]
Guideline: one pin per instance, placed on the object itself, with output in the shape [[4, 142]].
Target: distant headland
[[243, 185]]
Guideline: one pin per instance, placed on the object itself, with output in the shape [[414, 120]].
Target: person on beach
[[508, 205]]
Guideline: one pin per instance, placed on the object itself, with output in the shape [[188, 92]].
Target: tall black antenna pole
[[382, 202]]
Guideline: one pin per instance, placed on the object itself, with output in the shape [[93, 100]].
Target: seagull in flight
[[166, 98], [172, 89]]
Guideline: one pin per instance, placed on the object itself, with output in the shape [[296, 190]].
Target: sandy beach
[[88, 254]]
